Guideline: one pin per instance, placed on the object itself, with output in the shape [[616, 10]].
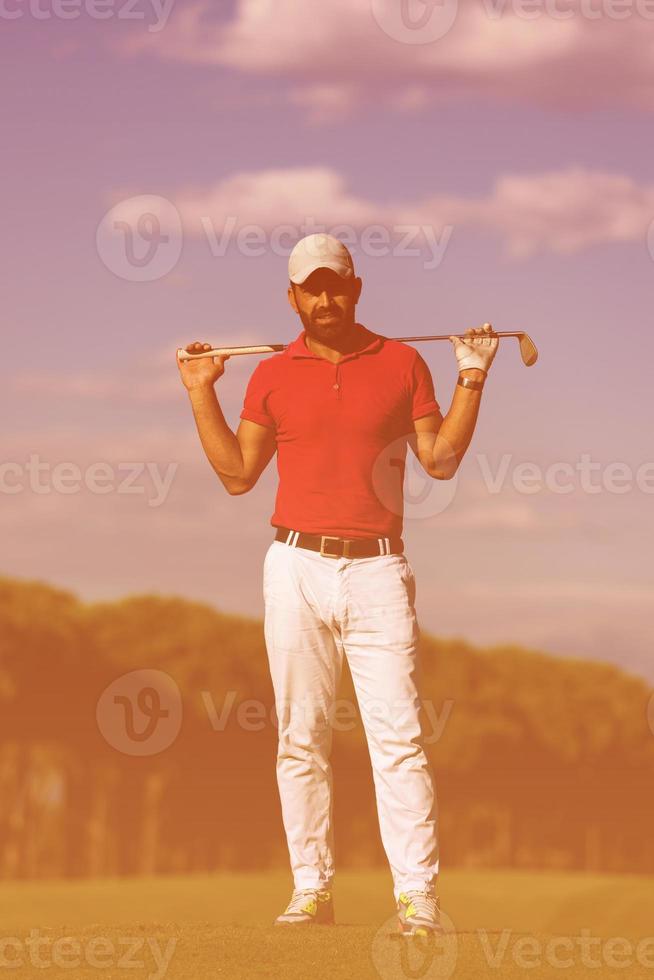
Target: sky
[[485, 161]]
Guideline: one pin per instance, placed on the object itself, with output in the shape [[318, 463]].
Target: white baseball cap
[[319, 252]]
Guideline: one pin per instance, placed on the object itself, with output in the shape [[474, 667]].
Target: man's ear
[[357, 285], [291, 297]]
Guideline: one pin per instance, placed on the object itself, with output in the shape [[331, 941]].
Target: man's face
[[325, 303]]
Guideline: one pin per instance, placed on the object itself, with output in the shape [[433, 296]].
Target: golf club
[[528, 350]]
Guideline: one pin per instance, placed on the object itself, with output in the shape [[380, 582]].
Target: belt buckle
[[327, 537]]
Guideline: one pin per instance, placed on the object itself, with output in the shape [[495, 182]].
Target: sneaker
[[418, 913], [308, 907]]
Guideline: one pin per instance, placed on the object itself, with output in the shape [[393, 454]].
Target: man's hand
[[204, 372], [478, 349]]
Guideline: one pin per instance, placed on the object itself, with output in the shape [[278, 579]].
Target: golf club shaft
[[273, 348]]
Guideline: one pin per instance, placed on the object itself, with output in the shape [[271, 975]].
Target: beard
[[328, 331]]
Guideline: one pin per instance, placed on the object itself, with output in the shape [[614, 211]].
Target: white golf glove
[[478, 349]]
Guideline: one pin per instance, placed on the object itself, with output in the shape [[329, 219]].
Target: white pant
[[316, 609]]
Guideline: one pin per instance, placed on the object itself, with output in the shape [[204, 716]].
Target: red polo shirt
[[341, 433]]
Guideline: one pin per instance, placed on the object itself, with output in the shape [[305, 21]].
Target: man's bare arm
[[238, 458], [441, 443]]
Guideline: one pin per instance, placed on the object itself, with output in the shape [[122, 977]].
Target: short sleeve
[[423, 397], [255, 407]]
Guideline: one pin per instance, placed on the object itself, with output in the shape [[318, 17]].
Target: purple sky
[[522, 144]]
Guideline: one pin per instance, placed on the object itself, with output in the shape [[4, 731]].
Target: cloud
[[149, 378], [597, 594], [561, 211], [325, 103], [566, 211], [271, 198], [97, 386], [509, 515], [341, 55]]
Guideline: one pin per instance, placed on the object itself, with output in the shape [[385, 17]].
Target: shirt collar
[[298, 348]]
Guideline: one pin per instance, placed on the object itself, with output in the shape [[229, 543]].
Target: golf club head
[[528, 350]]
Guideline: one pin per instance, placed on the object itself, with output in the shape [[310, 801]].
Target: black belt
[[333, 547]]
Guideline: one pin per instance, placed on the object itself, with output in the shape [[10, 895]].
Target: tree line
[[540, 761]]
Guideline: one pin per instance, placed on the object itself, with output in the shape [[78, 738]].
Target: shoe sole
[[424, 931], [325, 919], [294, 925]]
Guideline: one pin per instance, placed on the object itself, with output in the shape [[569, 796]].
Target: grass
[[503, 925]]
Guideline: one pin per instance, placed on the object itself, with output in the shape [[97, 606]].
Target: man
[[339, 406]]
